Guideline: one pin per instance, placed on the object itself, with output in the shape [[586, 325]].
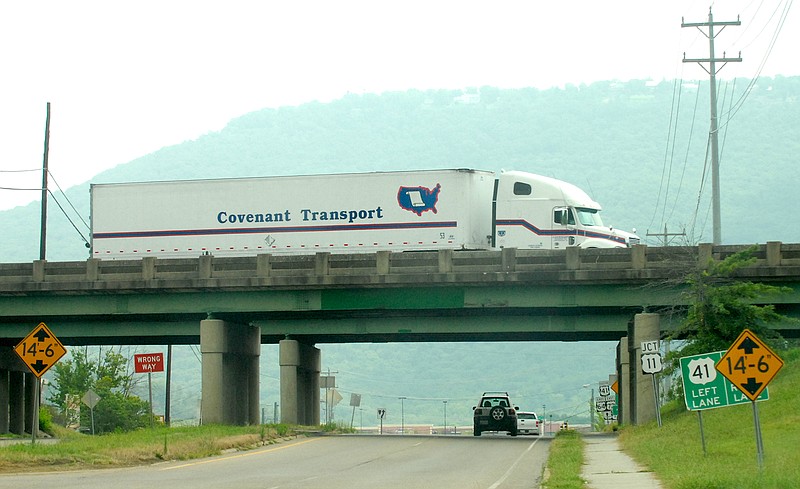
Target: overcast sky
[[126, 78]]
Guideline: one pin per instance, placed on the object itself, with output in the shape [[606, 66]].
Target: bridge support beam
[[646, 327], [300, 367], [230, 373], [624, 376], [16, 392], [4, 400]]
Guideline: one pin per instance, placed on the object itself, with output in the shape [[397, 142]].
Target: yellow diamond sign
[[749, 364], [40, 350]]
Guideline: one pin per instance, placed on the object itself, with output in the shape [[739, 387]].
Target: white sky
[[127, 78]]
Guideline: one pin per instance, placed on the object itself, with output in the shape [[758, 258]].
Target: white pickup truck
[[528, 423]]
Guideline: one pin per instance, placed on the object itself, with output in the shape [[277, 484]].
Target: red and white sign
[[148, 362]]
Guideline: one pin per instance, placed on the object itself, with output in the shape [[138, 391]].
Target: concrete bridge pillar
[[230, 373], [624, 385], [646, 327], [300, 367], [4, 400], [16, 393]]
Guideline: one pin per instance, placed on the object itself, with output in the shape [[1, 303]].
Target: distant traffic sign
[[749, 364], [40, 350], [606, 403], [704, 388]]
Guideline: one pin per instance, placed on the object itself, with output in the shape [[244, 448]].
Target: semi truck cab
[[536, 212]]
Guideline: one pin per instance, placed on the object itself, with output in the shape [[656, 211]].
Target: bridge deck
[[445, 295]]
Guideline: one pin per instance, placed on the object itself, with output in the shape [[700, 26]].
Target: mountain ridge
[[632, 146]]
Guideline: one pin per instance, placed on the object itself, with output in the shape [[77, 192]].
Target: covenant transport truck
[[345, 213]]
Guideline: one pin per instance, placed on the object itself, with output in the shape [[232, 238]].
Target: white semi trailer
[[345, 213]]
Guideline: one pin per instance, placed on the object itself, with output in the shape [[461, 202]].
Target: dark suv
[[494, 412]]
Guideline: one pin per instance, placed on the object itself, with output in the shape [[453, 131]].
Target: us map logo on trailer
[[418, 199]]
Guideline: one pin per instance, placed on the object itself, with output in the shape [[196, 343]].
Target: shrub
[[45, 420]]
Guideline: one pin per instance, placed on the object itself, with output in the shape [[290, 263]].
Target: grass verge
[[675, 451], [80, 451], [564, 462]]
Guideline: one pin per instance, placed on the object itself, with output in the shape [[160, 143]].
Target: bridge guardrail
[[643, 262]]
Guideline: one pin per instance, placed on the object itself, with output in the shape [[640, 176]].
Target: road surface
[[332, 462]]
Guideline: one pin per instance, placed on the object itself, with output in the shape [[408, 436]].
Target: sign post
[[750, 365], [381, 415], [652, 364], [355, 401], [40, 350], [90, 398], [149, 363]]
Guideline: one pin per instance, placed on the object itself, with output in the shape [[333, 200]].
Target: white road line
[[513, 466]]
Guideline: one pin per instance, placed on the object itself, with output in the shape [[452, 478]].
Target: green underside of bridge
[[271, 302], [436, 313]]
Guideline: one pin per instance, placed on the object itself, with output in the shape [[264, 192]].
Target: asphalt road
[[332, 462]]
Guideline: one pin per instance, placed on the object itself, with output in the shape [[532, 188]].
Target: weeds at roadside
[[565, 461], [75, 450]]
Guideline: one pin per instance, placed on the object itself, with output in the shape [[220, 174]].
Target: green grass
[[675, 453], [564, 462], [80, 451]]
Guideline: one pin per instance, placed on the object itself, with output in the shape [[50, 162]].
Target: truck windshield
[[589, 217]]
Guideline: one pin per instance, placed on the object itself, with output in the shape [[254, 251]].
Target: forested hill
[[638, 148]]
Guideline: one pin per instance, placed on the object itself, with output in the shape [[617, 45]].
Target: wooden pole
[[43, 232]]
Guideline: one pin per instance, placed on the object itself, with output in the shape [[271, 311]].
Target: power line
[[86, 241], [69, 201], [781, 21]]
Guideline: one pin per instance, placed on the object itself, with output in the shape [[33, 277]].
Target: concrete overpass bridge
[[232, 305]]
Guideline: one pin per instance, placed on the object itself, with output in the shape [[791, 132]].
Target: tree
[[73, 377], [721, 306], [110, 379]]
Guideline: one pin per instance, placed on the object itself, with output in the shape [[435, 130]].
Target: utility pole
[[666, 238], [43, 229], [712, 61]]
